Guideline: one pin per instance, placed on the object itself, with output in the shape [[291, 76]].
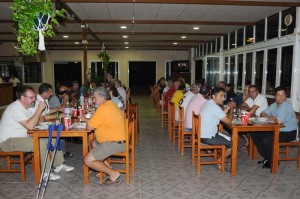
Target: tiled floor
[[162, 173]]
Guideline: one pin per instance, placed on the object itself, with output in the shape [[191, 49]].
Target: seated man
[[14, 124], [109, 125], [281, 110], [211, 114], [256, 102]]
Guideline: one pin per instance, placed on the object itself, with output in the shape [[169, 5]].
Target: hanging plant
[[104, 58], [34, 18]]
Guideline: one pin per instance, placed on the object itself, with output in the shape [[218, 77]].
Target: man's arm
[[228, 119], [31, 122], [253, 109]]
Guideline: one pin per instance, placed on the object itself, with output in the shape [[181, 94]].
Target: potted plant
[[35, 18], [104, 58]]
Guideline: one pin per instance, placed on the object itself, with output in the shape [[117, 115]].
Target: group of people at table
[[107, 122], [219, 105]]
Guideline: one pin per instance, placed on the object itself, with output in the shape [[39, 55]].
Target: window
[[285, 30], [204, 49], [240, 37], [249, 35], [286, 68], [218, 44], [225, 46], [259, 68], [213, 47], [248, 70], [240, 72], [226, 69], [212, 71], [33, 72], [199, 70], [97, 70], [208, 48], [232, 40], [271, 71], [232, 70], [260, 31], [273, 26]]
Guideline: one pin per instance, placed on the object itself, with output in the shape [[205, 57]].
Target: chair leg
[[298, 165], [22, 164]]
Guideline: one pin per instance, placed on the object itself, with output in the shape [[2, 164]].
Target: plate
[[262, 119], [252, 118], [45, 123], [42, 127]]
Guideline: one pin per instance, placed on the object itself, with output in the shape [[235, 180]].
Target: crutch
[[56, 147]]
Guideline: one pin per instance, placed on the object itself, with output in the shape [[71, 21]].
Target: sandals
[[109, 182]]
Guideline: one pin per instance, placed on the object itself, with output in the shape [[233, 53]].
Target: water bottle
[[81, 100]]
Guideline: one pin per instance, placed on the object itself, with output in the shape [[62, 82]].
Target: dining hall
[[193, 99]]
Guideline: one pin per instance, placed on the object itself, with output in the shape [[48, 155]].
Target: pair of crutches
[[50, 147]]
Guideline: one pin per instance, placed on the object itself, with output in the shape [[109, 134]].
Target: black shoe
[[262, 161], [68, 154], [267, 164]]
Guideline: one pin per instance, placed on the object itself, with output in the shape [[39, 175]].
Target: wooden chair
[[172, 124], [127, 157], [182, 142], [163, 114], [284, 147], [216, 150], [135, 112], [16, 157]]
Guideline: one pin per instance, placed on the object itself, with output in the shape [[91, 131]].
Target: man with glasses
[[15, 123], [60, 98], [281, 110]]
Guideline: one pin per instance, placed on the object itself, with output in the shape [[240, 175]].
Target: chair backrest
[[181, 118], [298, 125], [196, 127], [129, 133]]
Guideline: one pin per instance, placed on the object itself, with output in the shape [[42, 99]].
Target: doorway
[[66, 72], [142, 74]]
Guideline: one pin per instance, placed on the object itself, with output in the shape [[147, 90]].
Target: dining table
[[38, 133], [254, 126]]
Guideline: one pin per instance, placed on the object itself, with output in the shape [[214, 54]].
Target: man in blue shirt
[[280, 111]]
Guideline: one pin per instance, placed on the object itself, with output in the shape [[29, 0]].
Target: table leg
[[36, 151], [275, 150], [85, 151], [234, 140]]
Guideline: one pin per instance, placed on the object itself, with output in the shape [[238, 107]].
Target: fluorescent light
[[183, 37], [125, 36], [76, 42], [126, 47], [175, 43], [123, 27], [196, 28], [126, 43], [65, 36]]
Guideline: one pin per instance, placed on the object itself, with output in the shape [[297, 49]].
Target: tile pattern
[[161, 173]]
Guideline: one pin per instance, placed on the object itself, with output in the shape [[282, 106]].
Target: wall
[[123, 57]]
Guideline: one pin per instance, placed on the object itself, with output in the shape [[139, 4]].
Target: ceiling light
[[126, 47], [175, 43], [183, 37], [125, 36], [196, 28], [233, 44], [76, 42], [123, 27], [126, 43], [65, 36]]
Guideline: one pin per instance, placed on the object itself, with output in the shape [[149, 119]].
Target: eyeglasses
[[32, 98]]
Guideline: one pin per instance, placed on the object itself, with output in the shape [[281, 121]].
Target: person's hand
[[272, 118], [231, 105], [42, 106], [82, 118]]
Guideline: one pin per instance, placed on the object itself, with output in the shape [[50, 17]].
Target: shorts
[[218, 140], [106, 149]]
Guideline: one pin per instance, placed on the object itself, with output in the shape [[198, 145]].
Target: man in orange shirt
[[109, 126]]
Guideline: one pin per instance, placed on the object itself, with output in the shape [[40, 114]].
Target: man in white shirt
[[15, 123], [256, 103], [121, 91]]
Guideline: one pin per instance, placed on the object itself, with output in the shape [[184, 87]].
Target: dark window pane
[[232, 40], [260, 31], [200, 50], [199, 70], [212, 70], [209, 48], [259, 68], [225, 46], [226, 69], [218, 44], [271, 71], [232, 70], [286, 68], [204, 53], [285, 30], [240, 72], [33, 72], [240, 37], [213, 47], [249, 35], [273, 26], [248, 75]]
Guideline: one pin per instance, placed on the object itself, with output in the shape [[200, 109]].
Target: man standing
[[211, 115], [16, 83], [256, 102], [280, 111], [109, 125], [15, 123]]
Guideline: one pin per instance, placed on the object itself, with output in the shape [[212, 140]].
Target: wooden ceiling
[[150, 24]]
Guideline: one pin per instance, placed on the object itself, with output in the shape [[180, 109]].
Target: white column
[[193, 69]]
